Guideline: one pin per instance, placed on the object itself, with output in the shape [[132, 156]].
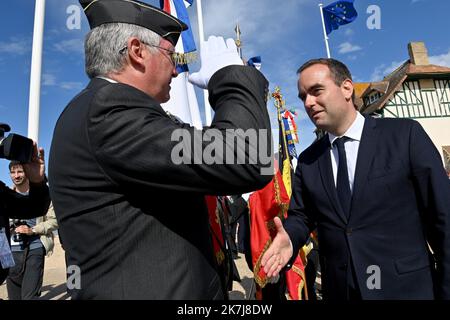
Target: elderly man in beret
[[134, 221]]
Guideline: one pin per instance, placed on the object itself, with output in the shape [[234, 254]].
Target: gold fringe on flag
[[185, 58]]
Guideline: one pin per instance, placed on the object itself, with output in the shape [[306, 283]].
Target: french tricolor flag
[[183, 100]]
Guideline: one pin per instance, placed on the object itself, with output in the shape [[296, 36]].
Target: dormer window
[[373, 97]]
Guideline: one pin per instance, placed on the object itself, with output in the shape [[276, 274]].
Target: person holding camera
[[19, 206], [31, 240]]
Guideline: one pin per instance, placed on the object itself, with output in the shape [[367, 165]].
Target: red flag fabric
[[295, 280], [265, 204], [217, 238]]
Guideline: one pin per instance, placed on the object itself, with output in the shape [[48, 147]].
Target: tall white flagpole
[[201, 40], [324, 30], [36, 67]]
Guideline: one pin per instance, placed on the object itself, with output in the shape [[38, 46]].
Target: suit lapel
[[366, 152], [326, 173]]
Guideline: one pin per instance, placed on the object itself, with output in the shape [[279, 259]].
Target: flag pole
[[238, 41], [324, 30], [201, 41], [36, 67]]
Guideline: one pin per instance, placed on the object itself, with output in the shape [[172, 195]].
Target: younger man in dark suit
[[378, 194]]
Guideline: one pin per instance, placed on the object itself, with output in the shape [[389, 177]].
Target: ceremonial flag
[[295, 280], [290, 131], [283, 153], [295, 277], [216, 230], [264, 205], [338, 13], [183, 100]]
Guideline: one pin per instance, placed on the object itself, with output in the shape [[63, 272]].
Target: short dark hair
[[14, 163], [338, 70]]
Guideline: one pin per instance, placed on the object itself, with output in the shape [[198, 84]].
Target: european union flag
[[338, 13]]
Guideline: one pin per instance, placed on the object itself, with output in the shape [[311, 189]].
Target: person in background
[[31, 241], [18, 206]]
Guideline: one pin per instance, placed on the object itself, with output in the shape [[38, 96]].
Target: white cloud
[[48, 79], [383, 70], [71, 85], [15, 46], [347, 47], [441, 60], [349, 32], [70, 46]]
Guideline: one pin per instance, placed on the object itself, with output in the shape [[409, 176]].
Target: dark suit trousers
[[24, 281]]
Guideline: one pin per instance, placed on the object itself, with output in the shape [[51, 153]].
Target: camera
[[17, 237], [14, 146]]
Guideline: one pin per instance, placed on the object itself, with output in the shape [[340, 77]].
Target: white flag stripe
[[183, 100]]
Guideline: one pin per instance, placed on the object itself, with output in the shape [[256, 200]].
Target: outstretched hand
[[35, 170], [215, 55], [279, 252]]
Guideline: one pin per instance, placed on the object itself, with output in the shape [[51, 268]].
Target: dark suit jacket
[[15, 205], [401, 200], [133, 221]]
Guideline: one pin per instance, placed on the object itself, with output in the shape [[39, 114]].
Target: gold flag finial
[[238, 39], [276, 94]]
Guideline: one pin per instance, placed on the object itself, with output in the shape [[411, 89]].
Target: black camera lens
[[17, 237]]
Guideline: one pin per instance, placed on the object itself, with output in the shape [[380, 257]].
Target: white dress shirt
[[107, 79], [351, 148]]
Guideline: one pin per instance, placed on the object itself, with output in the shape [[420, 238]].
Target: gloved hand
[[215, 55]]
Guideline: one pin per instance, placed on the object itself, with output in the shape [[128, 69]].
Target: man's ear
[[136, 52], [347, 89]]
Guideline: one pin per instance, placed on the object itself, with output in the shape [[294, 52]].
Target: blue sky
[[285, 34]]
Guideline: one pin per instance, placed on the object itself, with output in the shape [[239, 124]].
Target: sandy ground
[[54, 286]]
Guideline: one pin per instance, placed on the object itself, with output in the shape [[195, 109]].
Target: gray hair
[[103, 43]]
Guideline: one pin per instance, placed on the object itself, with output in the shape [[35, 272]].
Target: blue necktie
[[342, 184]]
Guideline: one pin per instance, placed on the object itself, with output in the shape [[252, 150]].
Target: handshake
[[215, 55]]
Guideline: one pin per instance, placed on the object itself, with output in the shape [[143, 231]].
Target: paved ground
[[54, 286]]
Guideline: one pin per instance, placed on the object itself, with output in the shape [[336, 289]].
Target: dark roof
[[380, 86], [359, 88]]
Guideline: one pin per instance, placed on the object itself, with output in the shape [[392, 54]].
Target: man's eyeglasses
[[174, 56]]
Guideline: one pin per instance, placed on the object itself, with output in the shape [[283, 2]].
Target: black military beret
[[4, 128], [135, 12]]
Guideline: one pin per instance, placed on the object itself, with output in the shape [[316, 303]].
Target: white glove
[[214, 56]]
